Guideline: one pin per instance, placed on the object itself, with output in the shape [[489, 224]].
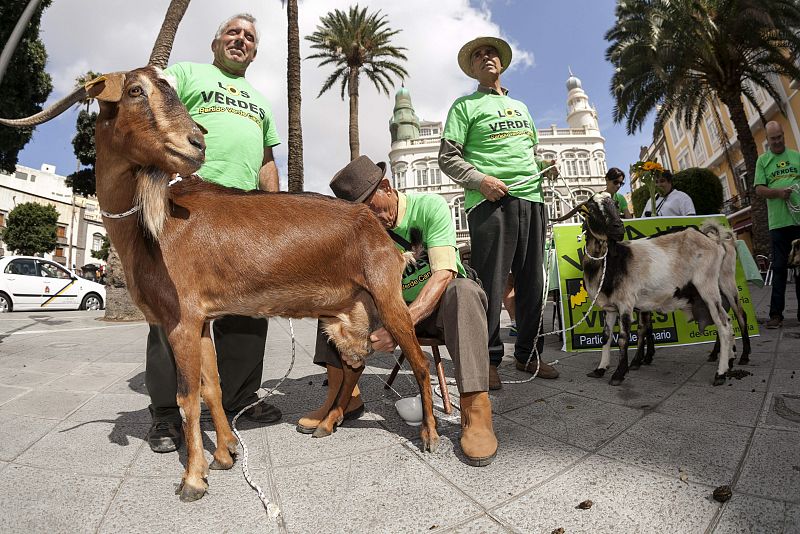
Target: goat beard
[[151, 197]]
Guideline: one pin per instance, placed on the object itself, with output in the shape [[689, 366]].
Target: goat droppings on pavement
[[559, 530], [723, 493], [585, 505]]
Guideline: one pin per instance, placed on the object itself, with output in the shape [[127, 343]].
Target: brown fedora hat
[[358, 180], [465, 54]]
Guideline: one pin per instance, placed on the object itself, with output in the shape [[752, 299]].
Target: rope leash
[[516, 183], [272, 509]]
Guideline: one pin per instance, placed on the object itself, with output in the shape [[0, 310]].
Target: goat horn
[[46, 114], [572, 212]]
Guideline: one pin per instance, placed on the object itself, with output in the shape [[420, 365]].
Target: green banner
[[668, 329]]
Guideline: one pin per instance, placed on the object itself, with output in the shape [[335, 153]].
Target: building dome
[[573, 82]]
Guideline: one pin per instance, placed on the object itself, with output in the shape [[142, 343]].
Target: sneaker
[[776, 321], [494, 378], [545, 370], [262, 413], [165, 436], [512, 329]]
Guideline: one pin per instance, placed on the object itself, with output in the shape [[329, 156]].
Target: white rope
[[137, 207], [273, 511], [794, 209], [514, 183]]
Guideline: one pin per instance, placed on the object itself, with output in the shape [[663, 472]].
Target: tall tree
[[679, 56], [119, 305], [356, 41], [31, 229], [294, 96], [82, 181], [26, 85]]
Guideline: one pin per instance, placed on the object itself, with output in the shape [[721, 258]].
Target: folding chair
[[433, 343]]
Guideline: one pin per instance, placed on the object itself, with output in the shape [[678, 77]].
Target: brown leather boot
[[478, 442], [355, 408]]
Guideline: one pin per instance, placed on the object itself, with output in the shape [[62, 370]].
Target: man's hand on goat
[[382, 340], [493, 189]]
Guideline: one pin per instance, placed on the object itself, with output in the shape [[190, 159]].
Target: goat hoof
[[321, 432], [719, 379], [597, 373], [616, 381], [634, 365], [190, 493], [712, 357], [220, 466], [744, 360], [430, 443]]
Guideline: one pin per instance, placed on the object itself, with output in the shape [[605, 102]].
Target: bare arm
[[268, 173], [422, 307], [767, 192]]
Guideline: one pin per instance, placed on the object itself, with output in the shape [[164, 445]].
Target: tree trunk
[[352, 83], [747, 144], [162, 48], [119, 305], [16, 34], [293, 89]]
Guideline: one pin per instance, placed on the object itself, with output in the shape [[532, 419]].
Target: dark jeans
[[240, 343], [508, 236], [781, 246]]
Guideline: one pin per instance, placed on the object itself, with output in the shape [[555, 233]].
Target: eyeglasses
[[619, 182]]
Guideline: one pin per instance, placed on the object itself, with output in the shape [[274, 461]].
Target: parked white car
[[28, 283]]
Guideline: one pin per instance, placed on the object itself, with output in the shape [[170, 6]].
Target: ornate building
[[579, 149]]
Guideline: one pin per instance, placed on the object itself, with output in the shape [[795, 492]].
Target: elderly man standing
[[777, 170], [241, 134], [442, 302], [488, 147]]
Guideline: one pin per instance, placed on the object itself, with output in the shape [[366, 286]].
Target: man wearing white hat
[[488, 147]]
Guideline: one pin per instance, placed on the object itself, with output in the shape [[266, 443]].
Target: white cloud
[[116, 35]]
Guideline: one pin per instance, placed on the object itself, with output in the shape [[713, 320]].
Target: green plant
[[704, 188], [31, 229]]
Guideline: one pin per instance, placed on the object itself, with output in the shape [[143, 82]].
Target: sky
[[547, 38]]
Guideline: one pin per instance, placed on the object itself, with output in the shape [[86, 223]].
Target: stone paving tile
[[114, 408], [481, 525], [133, 382], [786, 381], [46, 404], [667, 444], [361, 493], [579, 421], [781, 412], [150, 505], [744, 514], [8, 392], [20, 433], [124, 356], [757, 379], [91, 448], [772, 466], [659, 504], [720, 404], [26, 379], [57, 367], [524, 459], [48, 500], [662, 370], [788, 359], [792, 518]]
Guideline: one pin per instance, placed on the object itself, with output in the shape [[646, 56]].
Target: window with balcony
[[97, 242], [583, 164], [700, 151], [61, 231], [435, 176], [459, 215], [421, 177]]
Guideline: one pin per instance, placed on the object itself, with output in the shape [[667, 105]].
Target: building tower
[[580, 113], [404, 124]]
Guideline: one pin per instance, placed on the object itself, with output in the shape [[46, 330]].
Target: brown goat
[[200, 251]]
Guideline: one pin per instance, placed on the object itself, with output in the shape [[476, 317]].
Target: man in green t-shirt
[[443, 302], [488, 146], [614, 179], [777, 171], [241, 134]]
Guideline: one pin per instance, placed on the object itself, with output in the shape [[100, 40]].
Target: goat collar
[[602, 242], [137, 207]]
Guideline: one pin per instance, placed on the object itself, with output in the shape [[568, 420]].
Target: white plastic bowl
[[410, 409]]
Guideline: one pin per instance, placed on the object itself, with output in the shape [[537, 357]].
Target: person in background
[[614, 180], [670, 202]]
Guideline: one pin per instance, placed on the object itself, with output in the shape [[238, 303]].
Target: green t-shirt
[[622, 204], [238, 119], [499, 139], [778, 171], [431, 216]]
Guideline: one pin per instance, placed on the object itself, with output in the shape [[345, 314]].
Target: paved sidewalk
[[649, 453]]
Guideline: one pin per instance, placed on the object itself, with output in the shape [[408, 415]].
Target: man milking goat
[[442, 300], [239, 141]]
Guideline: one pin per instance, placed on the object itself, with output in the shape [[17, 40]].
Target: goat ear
[[201, 127], [107, 88]]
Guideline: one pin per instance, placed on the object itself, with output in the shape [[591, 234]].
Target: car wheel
[[92, 301], [5, 303]]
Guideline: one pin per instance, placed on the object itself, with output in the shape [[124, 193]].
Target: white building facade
[[579, 150], [80, 227]]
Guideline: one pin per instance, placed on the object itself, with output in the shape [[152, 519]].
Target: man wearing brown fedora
[[442, 300], [489, 147]]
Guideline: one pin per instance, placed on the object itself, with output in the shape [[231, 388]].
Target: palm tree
[[356, 41], [680, 56], [295, 171], [120, 306]]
